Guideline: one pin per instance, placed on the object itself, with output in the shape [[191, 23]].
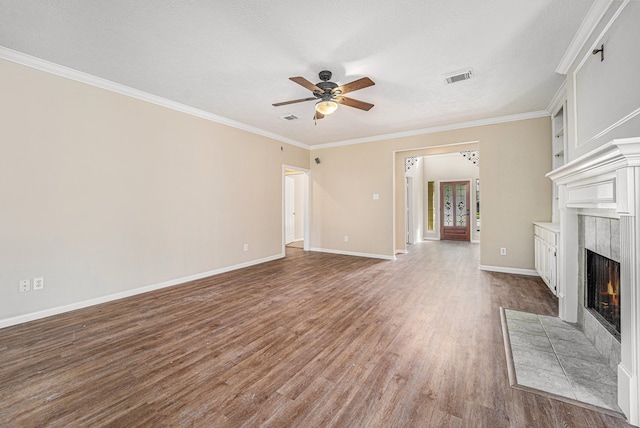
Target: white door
[[289, 210]]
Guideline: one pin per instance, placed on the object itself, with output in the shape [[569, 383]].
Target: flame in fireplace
[[611, 292], [603, 288]]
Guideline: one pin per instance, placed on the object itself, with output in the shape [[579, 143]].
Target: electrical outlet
[[246, 247], [346, 238], [503, 251], [25, 285], [38, 283]]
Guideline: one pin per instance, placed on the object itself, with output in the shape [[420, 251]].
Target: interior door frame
[[289, 209], [409, 209], [469, 201], [307, 206]]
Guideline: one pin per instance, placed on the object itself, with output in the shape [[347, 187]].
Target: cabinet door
[[536, 253], [545, 258], [553, 269], [542, 258]]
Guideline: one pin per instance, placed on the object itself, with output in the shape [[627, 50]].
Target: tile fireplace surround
[[605, 183]]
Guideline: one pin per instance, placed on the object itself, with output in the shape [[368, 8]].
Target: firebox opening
[[603, 291]]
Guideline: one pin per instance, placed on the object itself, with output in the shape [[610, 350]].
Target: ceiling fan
[[329, 95]]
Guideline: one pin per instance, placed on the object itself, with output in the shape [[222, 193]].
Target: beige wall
[[102, 193], [343, 185], [515, 156]]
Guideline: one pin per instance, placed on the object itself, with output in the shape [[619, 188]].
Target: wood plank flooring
[[312, 340]]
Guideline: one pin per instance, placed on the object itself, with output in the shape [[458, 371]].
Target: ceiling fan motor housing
[[326, 87], [325, 75]]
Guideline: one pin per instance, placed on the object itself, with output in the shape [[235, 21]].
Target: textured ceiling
[[233, 58]]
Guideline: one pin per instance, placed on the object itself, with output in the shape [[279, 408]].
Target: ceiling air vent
[[289, 117], [459, 75]]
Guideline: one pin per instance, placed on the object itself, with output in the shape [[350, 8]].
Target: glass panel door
[[454, 210]]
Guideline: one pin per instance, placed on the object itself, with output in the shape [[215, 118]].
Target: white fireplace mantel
[[606, 182]]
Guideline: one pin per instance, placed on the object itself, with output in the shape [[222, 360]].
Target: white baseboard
[[7, 322], [516, 271], [402, 252], [352, 253]]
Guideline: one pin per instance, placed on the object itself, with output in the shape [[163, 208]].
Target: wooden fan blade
[[354, 103], [354, 86], [293, 101], [304, 82]]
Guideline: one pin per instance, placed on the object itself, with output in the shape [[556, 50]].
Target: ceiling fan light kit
[[326, 107], [328, 94]]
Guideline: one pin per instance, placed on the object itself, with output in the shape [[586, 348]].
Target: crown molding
[[98, 82], [588, 25], [433, 130], [79, 76], [558, 98]]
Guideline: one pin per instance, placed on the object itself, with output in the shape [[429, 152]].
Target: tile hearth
[[557, 358]]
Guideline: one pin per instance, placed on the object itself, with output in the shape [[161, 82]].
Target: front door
[[454, 210]]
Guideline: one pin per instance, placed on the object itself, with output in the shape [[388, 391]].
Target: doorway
[[295, 208], [454, 210], [289, 209]]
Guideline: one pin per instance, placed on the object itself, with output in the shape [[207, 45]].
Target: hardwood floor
[[312, 340]]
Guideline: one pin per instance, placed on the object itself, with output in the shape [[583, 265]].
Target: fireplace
[[600, 189], [603, 290]]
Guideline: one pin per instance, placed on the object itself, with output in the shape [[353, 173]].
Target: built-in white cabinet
[[558, 150], [547, 235], [559, 143], [546, 239]]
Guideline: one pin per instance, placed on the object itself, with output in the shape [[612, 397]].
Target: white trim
[[588, 55], [98, 82], [516, 271], [439, 146], [7, 322], [588, 25], [307, 207], [402, 251], [615, 154], [432, 130], [558, 99], [627, 118], [353, 253]]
